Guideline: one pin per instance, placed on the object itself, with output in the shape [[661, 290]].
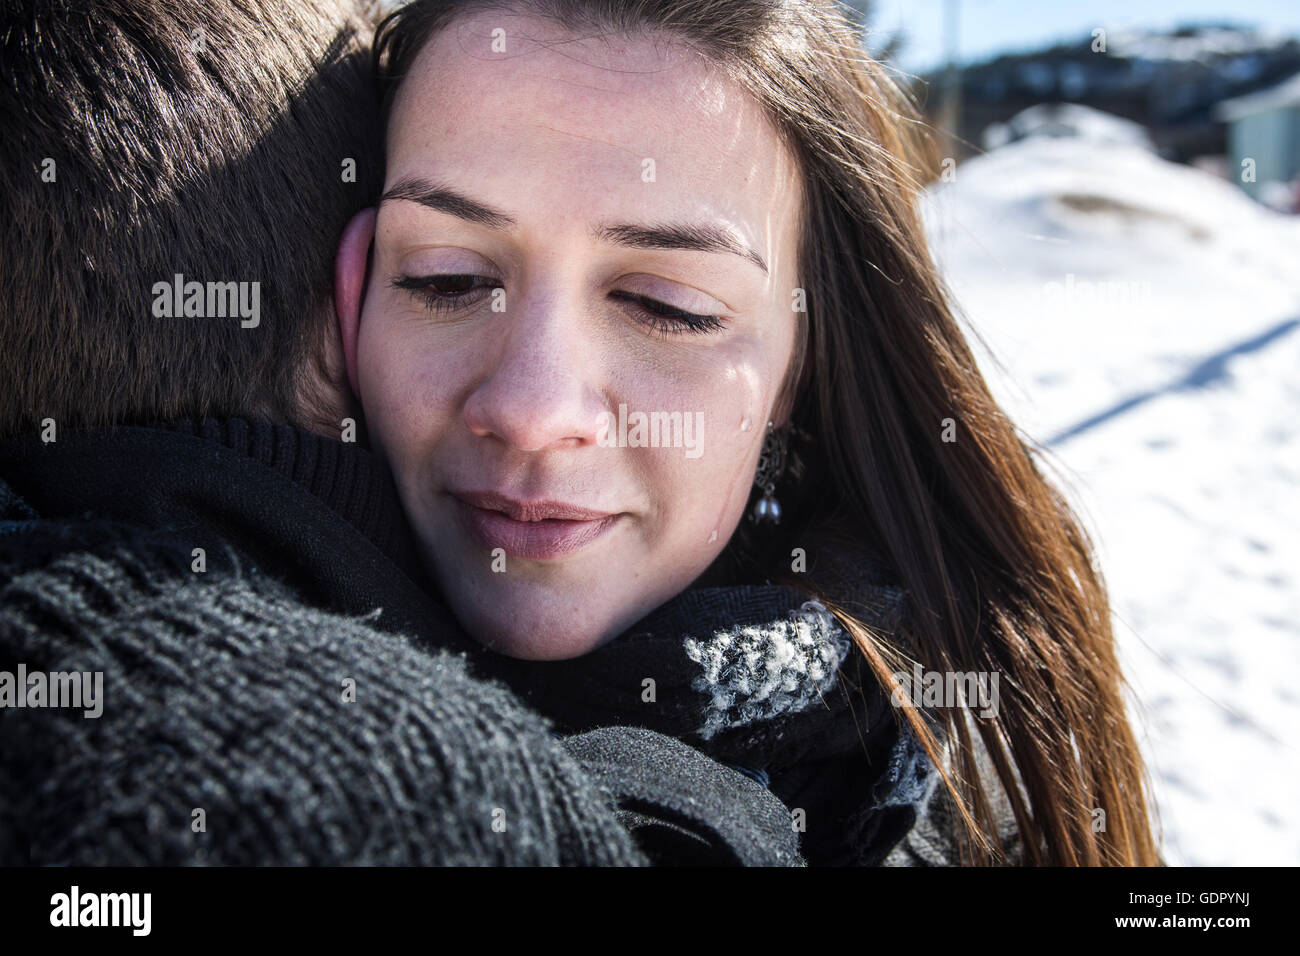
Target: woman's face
[[585, 244]]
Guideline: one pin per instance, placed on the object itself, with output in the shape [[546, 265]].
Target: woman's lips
[[538, 530]]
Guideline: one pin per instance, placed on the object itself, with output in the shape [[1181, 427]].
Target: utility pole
[[950, 115]]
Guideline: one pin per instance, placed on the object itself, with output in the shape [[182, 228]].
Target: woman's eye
[[445, 293], [452, 291], [665, 319]]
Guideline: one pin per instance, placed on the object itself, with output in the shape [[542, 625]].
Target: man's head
[[174, 177]]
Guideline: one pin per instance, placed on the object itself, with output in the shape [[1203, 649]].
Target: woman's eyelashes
[[665, 319], [452, 292], [447, 293]]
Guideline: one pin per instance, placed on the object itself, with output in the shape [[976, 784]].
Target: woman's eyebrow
[[444, 199], [704, 238], [699, 237]]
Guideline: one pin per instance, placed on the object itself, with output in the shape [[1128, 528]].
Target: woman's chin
[[530, 635], [540, 647]]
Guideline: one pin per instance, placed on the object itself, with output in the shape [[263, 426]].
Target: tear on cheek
[[740, 430]]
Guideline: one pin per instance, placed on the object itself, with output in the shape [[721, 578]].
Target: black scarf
[[764, 678]]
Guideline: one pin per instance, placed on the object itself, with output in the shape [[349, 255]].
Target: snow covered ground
[[1143, 320]]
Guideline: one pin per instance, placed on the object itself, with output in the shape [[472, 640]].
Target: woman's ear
[[351, 270]]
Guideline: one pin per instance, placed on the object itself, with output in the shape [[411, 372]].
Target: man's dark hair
[[224, 141]]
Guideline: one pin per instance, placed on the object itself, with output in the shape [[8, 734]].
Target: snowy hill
[[1146, 318], [1067, 120]]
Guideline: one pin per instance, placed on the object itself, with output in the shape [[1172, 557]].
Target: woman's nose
[[541, 389]]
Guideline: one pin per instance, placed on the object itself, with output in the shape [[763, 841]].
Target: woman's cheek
[[732, 405], [405, 388]]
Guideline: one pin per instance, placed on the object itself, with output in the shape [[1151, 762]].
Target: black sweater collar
[[321, 514], [349, 479]]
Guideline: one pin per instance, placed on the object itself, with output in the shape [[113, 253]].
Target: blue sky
[[990, 27]]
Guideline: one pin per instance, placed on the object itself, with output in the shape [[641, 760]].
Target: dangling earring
[[771, 464]]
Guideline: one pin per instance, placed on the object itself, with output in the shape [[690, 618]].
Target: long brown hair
[[998, 573]]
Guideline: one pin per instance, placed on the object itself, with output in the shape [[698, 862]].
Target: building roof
[[1283, 95]]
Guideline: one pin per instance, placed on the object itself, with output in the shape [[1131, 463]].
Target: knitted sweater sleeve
[[240, 726]]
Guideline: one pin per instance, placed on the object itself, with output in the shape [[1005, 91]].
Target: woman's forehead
[[640, 118]]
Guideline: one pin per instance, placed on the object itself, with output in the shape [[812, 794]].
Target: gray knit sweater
[[241, 726]]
